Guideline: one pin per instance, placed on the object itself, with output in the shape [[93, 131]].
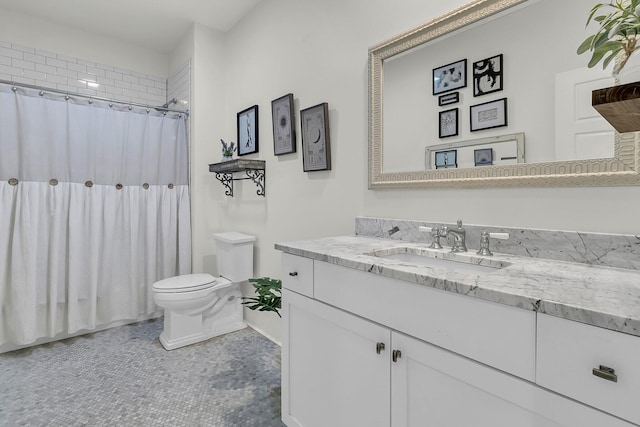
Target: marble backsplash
[[610, 250]]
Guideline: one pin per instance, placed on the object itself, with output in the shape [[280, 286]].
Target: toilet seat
[[185, 283]]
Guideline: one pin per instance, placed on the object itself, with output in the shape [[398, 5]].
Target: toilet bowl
[[200, 306]]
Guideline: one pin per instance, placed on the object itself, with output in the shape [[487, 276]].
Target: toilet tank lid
[[234, 237]]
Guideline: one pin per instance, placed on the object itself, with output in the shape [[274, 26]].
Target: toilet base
[[172, 344], [222, 314]]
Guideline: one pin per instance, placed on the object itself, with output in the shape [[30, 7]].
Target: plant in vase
[[268, 295], [616, 36], [227, 150]]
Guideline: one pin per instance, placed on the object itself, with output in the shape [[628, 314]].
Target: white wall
[[318, 51]]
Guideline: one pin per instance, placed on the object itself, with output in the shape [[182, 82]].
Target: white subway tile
[[37, 59], [5, 44], [138, 88], [20, 79], [138, 75], [34, 75], [56, 63], [4, 76], [44, 83], [5, 60], [77, 67], [46, 69], [114, 75], [130, 79], [26, 65], [95, 71], [87, 63], [11, 53], [45, 53], [22, 48], [147, 82], [67, 73], [7, 69], [106, 81], [122, 71], [161, 85], [59, 80], [154, 91], [67, 58], [122, 84]]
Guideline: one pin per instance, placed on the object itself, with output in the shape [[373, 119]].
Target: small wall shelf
[[253, 169], [619, 105]]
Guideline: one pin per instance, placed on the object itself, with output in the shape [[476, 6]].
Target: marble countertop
[[601, 296]]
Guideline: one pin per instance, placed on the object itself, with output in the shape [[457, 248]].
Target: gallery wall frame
[[448, 99], [316, 144], [448, 123], [284, 131], [487, 75], [450, 77], [247, 127], [488, 115]]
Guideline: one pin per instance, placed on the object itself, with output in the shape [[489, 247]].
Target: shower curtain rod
[[98, 98]]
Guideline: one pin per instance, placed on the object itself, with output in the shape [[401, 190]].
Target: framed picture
[[448, 99], [487, 76], [284, 132], [450, 77], [483, 156], [248, 131], [448, 123], [446, 159], [316, 148], [489, 115]]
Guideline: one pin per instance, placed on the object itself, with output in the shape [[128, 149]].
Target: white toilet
[[200, 306]]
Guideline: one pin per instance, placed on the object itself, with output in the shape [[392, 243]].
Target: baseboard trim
[[263, 333]]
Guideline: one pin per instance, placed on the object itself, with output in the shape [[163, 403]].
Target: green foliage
[[268, 295], [617, 32]]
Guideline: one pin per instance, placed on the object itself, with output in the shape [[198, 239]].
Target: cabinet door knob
[[293, 274], [606, 373], [395, 355], [379, 347]]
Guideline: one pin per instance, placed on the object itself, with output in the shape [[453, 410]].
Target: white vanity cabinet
[[360, 349]]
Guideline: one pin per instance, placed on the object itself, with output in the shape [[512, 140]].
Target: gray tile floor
[[123, 377]]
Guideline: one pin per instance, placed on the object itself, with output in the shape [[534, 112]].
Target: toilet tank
[[234, 255]]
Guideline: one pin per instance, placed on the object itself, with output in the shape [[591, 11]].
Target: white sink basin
[[441, 260]]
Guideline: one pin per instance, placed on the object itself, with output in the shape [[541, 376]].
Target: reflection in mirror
[[545, 85]]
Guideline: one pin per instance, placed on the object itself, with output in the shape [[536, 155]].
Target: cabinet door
[[434, 387], [332, 374]]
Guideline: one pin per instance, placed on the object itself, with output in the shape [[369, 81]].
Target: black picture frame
[[487, 75], [448, 99], [316, 144], [483, 156], [488, 115], [446, 159], [284, 130], [448, 123], [247, 127], [450, 77]]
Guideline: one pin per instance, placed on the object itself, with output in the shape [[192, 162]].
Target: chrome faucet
[[459, 238]]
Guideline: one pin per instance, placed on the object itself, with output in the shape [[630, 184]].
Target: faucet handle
[[484, 242]]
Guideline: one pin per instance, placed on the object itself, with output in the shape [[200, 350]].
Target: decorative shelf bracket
[[254, 170]]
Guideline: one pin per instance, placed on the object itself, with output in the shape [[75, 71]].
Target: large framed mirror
[[543, 97]]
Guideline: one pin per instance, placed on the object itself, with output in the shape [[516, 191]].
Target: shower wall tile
[[23, 64], [179, 87]]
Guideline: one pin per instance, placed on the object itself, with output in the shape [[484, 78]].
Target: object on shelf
[[619, 105]]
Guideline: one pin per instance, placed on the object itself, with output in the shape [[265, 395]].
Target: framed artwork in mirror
[[492, 114], [449, 98], [450, 77], [247, 125], [316, 148], [446, 159], [284, 132], [483, 156], [448, 123], [487, 76]]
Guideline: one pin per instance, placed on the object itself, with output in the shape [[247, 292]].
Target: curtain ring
[[66, 97], [118, 186], [41, 93], [145, 186], [53, 182], [88, 184], [170, 186], [14, 88], [13, 181]]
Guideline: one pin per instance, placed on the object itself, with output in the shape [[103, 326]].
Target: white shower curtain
[[94, 208]]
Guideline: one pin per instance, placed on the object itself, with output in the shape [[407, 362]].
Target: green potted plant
[[268, 295], [227, 150], [618, 28]]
